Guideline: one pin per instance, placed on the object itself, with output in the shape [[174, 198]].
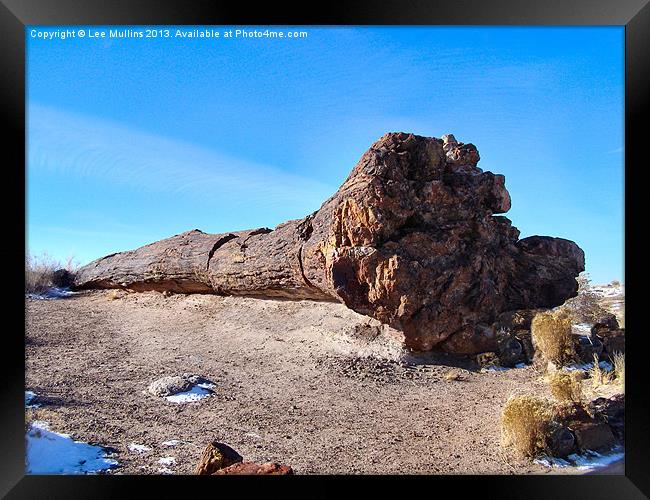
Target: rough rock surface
[[173, 384], [597, 427], [410, 238], [217, 456], [611, 337], [250, 468]]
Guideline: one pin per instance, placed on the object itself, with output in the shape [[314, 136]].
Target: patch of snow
[[165, 470], [494, 368], [52, 293], [206, 385], [607, 291], [552, 462], [54, 453], [590, 460], [139, 448], [196, 393], [29, 397], [581, 329], [167, 461], [171, 442], [604, 365]]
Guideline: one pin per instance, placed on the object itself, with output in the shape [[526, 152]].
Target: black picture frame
[[16, 14]]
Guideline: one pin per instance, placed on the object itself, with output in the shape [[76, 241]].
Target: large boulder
[[411, 238]]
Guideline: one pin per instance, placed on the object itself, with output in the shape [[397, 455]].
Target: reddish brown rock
[[597, 427], [595, 436], [250, 468], [217, 456], [410, 238]]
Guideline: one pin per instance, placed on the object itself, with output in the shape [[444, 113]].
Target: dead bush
[[565, 386], [552, 338], [525, 420], [619, 368], [599, 376], [586, 306], [42, 273]]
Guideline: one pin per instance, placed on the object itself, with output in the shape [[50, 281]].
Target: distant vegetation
[[586, 307], [42, 273]]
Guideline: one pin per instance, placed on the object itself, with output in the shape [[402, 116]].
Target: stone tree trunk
[[411, 238]]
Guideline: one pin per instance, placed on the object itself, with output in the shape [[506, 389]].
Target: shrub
[[585, 307], [565, 386], [619, 368], [598, 375], [42, 273], [524, 424], [551, 335]]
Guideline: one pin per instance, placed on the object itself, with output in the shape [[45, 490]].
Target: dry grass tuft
[[565, 386], [599, 376], [40, 272], [619, 369], [524, 424], [551, 334], [114, 295]]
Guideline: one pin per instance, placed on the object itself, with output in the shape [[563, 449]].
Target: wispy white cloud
[[87, 146]]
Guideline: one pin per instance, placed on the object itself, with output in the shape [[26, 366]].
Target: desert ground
[[309, 384]]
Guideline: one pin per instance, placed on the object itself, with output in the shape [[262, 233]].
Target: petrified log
[[410, 238]]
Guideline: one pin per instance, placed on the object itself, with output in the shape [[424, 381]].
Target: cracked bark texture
[[410, 238]]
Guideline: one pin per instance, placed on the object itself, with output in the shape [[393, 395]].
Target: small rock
[[604, 324], [216, 456], [487, 359], [166, 386], [560, 440], [510, 351]]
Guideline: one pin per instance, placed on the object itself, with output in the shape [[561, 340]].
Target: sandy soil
[[293, 385]]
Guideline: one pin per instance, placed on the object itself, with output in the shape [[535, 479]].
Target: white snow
[[494, 368], [139, 448], [607, 291], [53, 453], [165, 470], [581, 329], [52, 293], [589, 461], [29, 397], [167, 461], [171, 442], [604, 365], [196, 393]]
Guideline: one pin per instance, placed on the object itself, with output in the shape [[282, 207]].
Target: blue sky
[[133, 140]]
